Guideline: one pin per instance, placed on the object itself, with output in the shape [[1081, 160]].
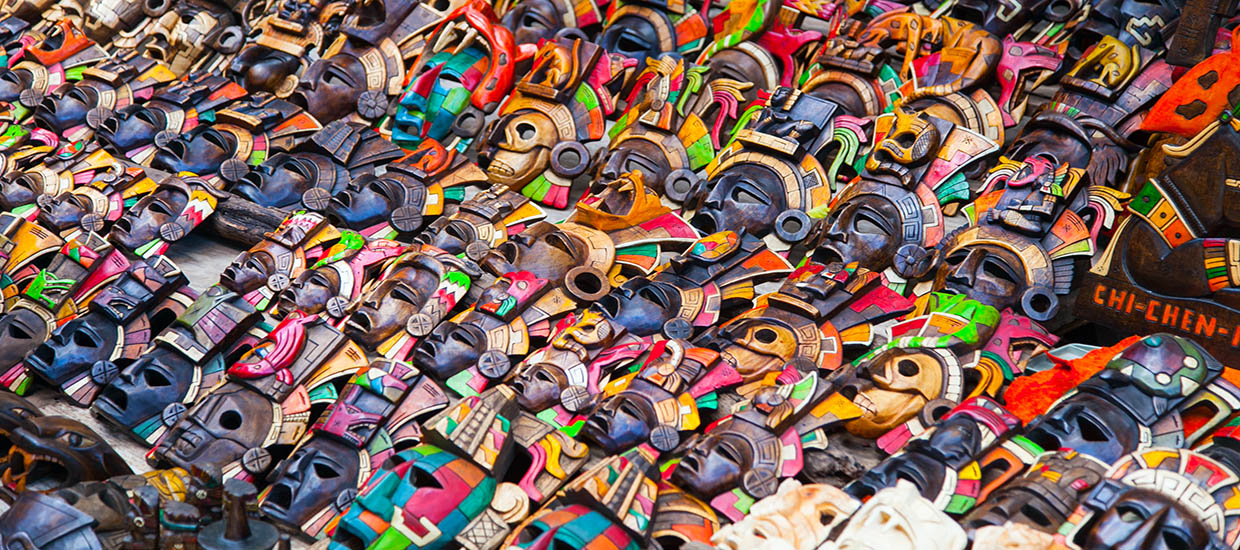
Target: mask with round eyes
[[744, 197], [386, 310], [400, 490], [902, 383], [200, 151], [758, 346], [51, 452], [912, 141], [518, 148], [220, 428]]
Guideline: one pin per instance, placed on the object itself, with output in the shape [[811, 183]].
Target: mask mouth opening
[[118, 399], [35, 472]]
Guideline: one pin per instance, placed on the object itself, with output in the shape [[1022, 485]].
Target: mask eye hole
[[745, 196], [957, 258], [998, 271], [908, 367], [230, 420], [1131, 514], [868, 222], [1090, 431], [424, 480], [155, 379], [82, 339], [765, 335], [526, 131], [324, 471]]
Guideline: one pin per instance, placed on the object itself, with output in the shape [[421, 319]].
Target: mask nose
[[966, 272]]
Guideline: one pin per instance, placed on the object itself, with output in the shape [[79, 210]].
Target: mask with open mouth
[[286, 37], [318, 168], [1044, 496], [934, 461], [88, 352], [269, 267], [193, 35], [73, 111], [379, 409], [487, 219], [423, 284], [1127, 508], [150, 394], [755, 181], [400, 202], [52, 452], [135, 130], [336, 280], [165, 216]]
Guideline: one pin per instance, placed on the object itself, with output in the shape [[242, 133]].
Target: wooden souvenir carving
[[676, 120], [532, 21], [675, 302], [136, 131], [265, 404], [415, 293], [971, 52], [1168, 267], [341, 276], [1197, 512], [57, 294], [47, 444], [152, 393], [941, 463], [83, 355], [447, 72], [537, 145], [374, 49], [166, 215], [398, 203], [641, 29], [318, 168], [70, 108], [481, 223], [287, 36], [769, 172], [242, 136], [379, 408], [269, 267], [1043, 497], [1128, 400]]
